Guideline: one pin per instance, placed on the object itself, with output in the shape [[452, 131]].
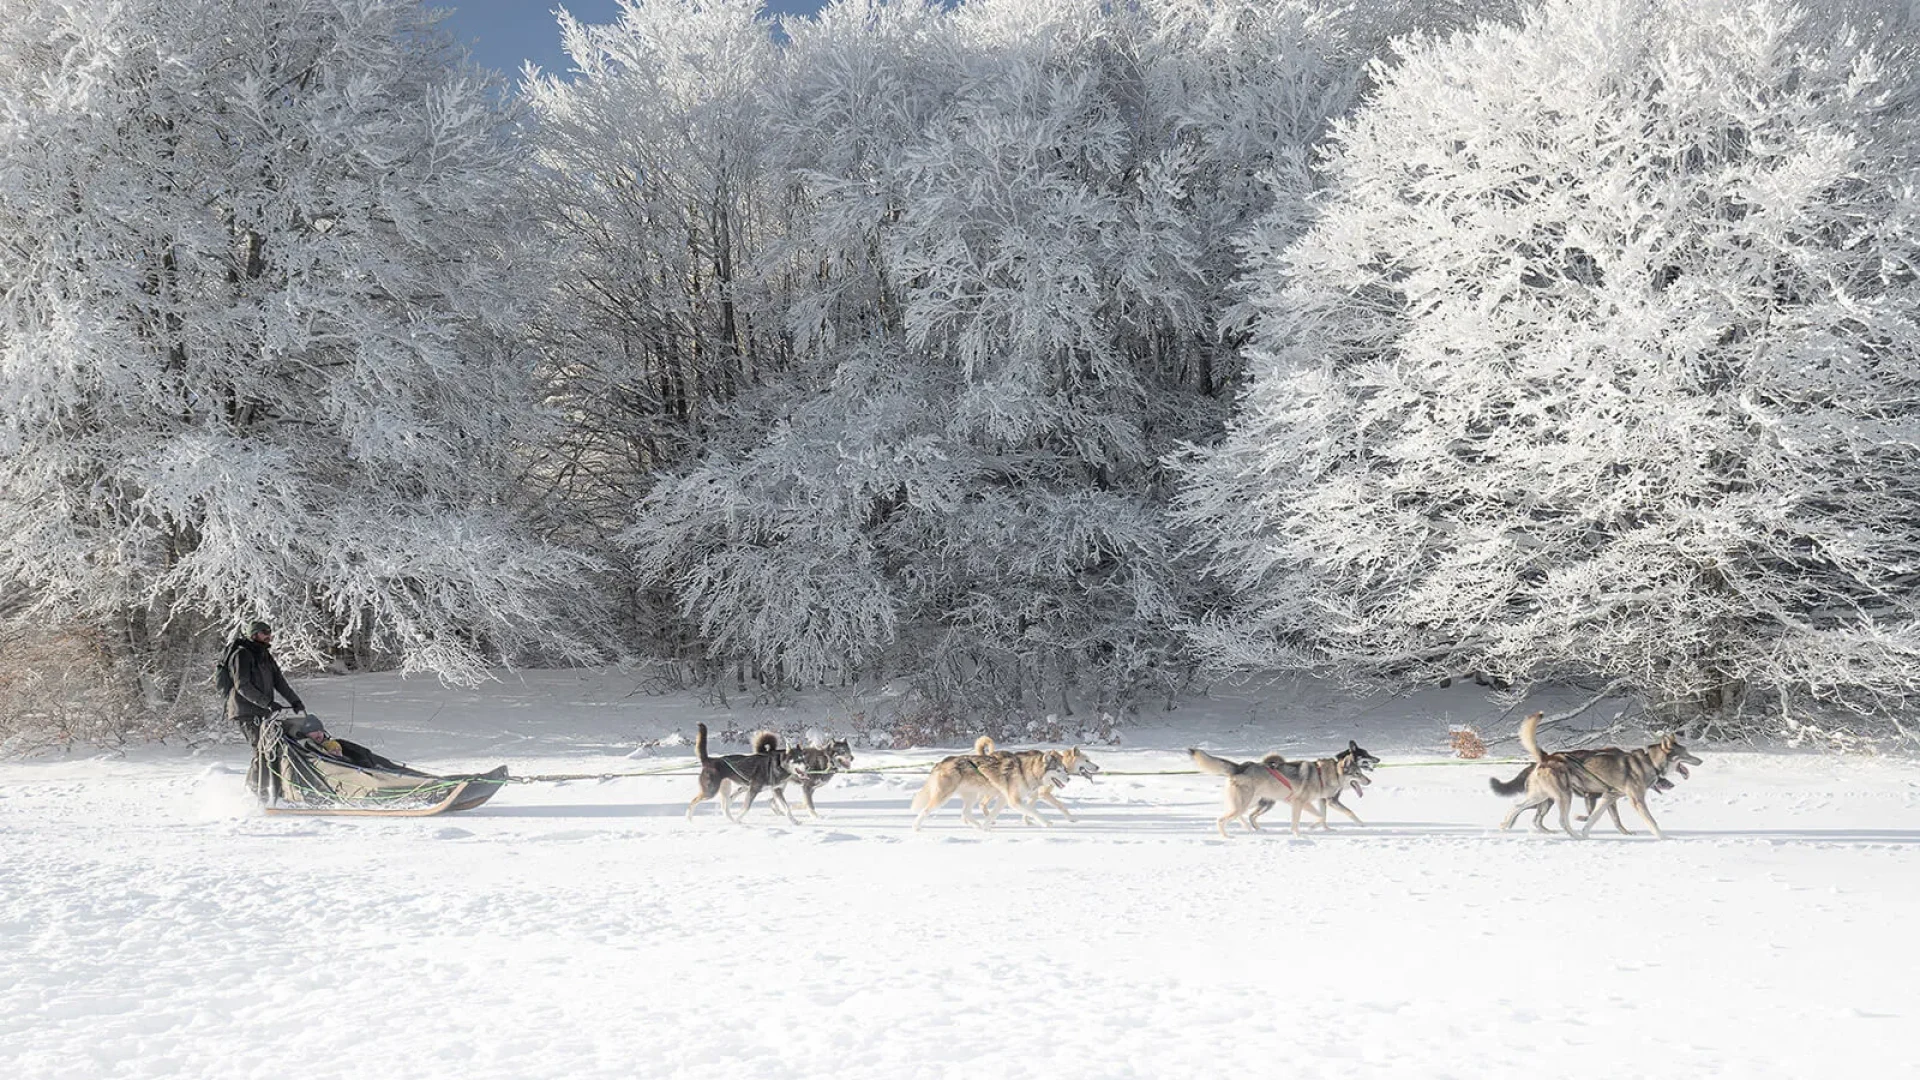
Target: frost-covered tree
[[1009, 230], [766, 541], [1003, 240], [648, 180], [1598, 364], [259, 294]]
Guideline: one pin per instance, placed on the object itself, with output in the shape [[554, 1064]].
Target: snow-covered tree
[[1009, 258], [648, 177], [1598, 364], [906, 413], [259, 292], [766, 541], [876, 341]]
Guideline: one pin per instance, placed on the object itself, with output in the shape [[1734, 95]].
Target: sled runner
[[397, 808]]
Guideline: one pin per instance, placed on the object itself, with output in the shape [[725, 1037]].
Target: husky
[[815, 765], [1254, 787], [1611, 774], [982, 776], [767, 768], [1510, 788], [1366, 762], [1075, 760]]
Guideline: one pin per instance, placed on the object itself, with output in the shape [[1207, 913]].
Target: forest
[[1039, 356]]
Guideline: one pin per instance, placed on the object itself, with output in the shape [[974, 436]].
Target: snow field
[[153, 925]]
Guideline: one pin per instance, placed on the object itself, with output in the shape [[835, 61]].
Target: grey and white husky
[[1254, 787]]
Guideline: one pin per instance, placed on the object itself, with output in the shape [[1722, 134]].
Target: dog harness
[[1284, 782], [796, 769]]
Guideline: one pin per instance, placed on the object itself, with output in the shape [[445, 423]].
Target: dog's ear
[[1353, 746], [1667, 741]]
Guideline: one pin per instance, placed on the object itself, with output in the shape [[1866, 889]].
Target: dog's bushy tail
[[1527, 740], [700, 742], [983, 745], [1210, 764], [765, 742], [1511, 787]]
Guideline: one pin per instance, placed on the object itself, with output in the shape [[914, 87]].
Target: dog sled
[[296, 775]]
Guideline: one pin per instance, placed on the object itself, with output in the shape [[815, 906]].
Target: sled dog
[[1254, 787], [815, 765], [1518, 784], [984, 775], [1075, 760], [1367, 762], [767, 768], [1611, 774]]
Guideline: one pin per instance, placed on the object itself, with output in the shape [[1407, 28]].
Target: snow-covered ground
[[153, 924]]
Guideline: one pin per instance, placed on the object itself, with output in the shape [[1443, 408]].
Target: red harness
[[1276, 775]]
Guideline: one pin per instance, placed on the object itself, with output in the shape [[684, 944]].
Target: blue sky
[[502, 33]]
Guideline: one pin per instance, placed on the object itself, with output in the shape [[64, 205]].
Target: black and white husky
[[767, 768], [815, 765]]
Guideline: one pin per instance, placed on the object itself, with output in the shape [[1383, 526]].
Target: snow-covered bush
[[1598, 364], [60, 687]]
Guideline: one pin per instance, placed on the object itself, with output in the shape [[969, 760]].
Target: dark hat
[[259, 628]]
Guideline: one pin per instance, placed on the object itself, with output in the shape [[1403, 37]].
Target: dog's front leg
[[1640, 804], [1614, 813], [1057, 804], [1030, 811], [1027, 816], [1342, 807], [806, 792], [779, 798]]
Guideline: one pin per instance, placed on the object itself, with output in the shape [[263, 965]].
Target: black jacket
[[256, 677]]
